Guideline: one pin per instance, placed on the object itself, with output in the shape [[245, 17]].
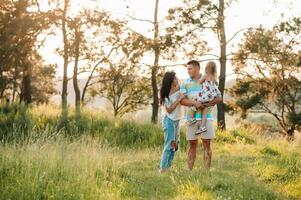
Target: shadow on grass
[[143, 181], [230, 179]]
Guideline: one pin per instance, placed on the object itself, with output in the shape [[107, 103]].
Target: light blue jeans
[[170, 130]]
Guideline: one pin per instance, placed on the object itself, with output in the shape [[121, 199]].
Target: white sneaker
[[193, 109], [202, 129]]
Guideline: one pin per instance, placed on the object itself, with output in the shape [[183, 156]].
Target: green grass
[[117, 159], [85, 169]]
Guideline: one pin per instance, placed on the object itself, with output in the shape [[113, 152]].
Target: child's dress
[[208, 91]]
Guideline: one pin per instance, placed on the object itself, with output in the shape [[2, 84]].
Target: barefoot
[[161, 171]]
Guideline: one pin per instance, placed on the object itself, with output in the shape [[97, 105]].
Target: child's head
[[210, 70]]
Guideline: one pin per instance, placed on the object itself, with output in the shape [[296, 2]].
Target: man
[[191, 88]]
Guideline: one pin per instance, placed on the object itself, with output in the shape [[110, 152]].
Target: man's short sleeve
[[183, 89]]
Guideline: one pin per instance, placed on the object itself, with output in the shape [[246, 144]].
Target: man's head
[[193, 69]]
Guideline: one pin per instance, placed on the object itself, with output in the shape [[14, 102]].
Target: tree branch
[[138, 19]]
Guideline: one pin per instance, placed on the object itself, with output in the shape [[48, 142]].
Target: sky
[[241, 14]]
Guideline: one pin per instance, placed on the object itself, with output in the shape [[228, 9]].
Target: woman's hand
[[174, 105], [182, 96]]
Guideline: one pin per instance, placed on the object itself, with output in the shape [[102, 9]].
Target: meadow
[[97, 157]]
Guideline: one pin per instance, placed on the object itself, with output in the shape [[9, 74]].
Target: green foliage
[[243, 136], [15, 122], [267, 69], [269, 151], [19, 59], [121, 81], [294, 118]]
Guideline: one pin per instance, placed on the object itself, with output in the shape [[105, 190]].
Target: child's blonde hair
[[210, 71]]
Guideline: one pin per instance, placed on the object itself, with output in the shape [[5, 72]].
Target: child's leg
[[204, 117], [202, 127], [191, 116]]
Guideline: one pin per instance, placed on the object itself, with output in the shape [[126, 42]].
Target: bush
[[19, 123], [15, 122], [239, 135]]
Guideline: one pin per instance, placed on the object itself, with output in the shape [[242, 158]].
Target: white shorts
[[191, 130]]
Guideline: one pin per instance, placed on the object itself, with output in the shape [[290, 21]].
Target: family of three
[[199, 93]]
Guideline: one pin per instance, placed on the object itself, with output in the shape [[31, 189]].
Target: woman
[[170, 98]]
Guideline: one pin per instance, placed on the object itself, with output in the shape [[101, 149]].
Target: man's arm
[[215, 101], [187, 102], [190, 103]]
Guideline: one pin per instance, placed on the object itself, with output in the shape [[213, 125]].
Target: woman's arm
[[173, 106]]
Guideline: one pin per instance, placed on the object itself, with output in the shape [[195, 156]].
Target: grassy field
[[120, 160]]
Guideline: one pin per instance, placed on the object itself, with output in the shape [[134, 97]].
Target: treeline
[[110, 53]]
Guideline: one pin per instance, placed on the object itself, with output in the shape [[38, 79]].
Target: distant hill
[[56, 99], [103, 104], [97, 102], [229, 84]]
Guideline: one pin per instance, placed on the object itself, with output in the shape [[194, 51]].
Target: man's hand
[[198, 104], [213, 102]]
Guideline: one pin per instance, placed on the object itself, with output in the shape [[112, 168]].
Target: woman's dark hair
[[166, 85]]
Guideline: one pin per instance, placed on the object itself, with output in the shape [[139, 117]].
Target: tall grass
[[97, 157], [19, 124], [86, 169]]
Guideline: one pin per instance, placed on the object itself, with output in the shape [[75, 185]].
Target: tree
[[63, 19], [20, 29], [267, 65], [122, 82], [154, 69], [154, 45], [82, 47]]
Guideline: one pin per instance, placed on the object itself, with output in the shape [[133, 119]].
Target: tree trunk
[[115, 112], [75, 71], [87, 83], [26, 85], [14, 84], [290, 133], [154, 70], [14, 93], [64, 114], [91, 75], [2, 84], [222, 78]]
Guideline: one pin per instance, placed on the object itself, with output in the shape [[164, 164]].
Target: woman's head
[[210, 70], [169, 80]]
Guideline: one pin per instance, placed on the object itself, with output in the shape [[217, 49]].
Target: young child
[[208, 91]]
